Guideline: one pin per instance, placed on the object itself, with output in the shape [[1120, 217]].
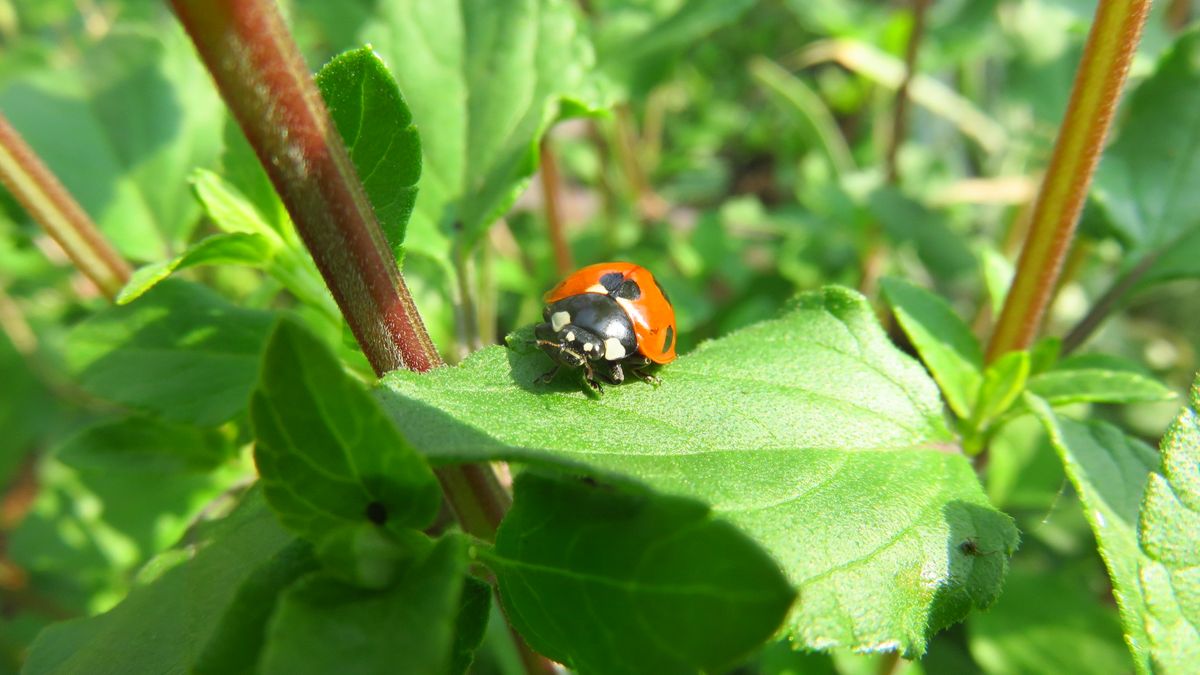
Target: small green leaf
[[250, 250], [374, 120], [325, 626], [1044, 355], [327, 455], [811, 432], [241, 633], [473, 610], [1093, 385], [1049, 621], [1003, 382], [172, 617], [1109, 470], [945, 344], [246, 178], [230, 210], [997, 277], [180, 351], [656, 600], [1167, 528]]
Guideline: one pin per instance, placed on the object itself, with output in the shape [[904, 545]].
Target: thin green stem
[[468, 316], [900, 110], [1102, 70], [1105, 304], [46, 200], [552, 200]]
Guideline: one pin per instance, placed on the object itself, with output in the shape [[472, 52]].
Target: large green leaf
[[327, 454], [1168, 528], [325, 626], [122, 125], [180, 350], [484, 81], [373, 118], [1109, 471], [236, 248], [657, 600], [1142, 178], [811, 432], [162, 626]]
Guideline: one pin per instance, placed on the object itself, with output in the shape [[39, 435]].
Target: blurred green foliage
[[738, 147]]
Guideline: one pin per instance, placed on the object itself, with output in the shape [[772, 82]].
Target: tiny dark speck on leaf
[[377, 513]]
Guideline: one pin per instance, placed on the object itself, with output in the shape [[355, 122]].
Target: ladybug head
[[568, 344]]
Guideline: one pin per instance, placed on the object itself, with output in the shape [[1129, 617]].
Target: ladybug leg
[[589, 375], [638, 368], [616, 375]]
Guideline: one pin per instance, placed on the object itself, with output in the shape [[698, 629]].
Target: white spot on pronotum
[[570, 336], [613, 349], [596, 288], [587, 346], [559, 319]]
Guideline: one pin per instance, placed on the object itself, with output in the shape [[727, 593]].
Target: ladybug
[[607, 318]]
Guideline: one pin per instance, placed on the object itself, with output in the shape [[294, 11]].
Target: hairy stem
[[49, 203], [900, 112], [1106, 56], [270, 92], [552, 199], [263, 79]]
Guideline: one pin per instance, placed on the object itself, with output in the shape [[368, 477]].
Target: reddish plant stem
[[1179, 13], [268, 88], [262, 77], [1106, 56], [40, 193], [900, 113], [552, 199]]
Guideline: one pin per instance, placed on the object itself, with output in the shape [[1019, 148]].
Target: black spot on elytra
[[668, 339], [611, 281], [377, 513], [628, 290]]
